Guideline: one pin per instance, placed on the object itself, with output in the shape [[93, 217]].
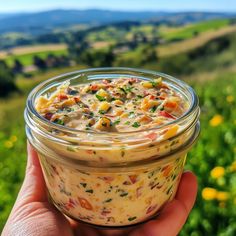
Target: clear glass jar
[[112, 179]]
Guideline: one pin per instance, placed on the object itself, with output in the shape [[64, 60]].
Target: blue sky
[[171, 5]]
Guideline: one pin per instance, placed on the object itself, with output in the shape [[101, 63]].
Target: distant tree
[[149, 54], [39, 63], [7, 80], [17, 67]]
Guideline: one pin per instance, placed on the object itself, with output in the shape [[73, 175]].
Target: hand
[[32, 214]]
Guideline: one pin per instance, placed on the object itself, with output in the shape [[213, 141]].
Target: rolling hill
[[41, 22]]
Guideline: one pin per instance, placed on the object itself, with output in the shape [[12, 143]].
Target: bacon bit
[[77, 99], [71, 203], [62, 96], [85, 204], [152, 97], [161, 98], [166, 114], [166, 170], [139, 191], [151, 208], [48, 115], [112, 116], [152, 136], [126, 183], [89, 151], [105, 212], [107, 179], [133, 178], [133, 80], [94, 87], [146, 93]]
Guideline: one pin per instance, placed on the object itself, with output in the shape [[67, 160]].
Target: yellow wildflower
[[230, 99], [216, 120], [8, 144], [13, 138], [233, 166], [209, 193], [217, 172], [222, 204], [222, 196]]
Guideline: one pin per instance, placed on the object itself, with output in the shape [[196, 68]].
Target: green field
[[27, 59], [192, 30]]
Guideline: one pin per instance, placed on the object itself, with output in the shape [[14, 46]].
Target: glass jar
[[109, 178]]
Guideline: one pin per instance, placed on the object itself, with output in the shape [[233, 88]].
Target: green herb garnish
[[132, 218], [124, 194], [136, 125], [108, 200], [83, 184], [58, 121], [100, 98], [127, 123], [153, 109], [116, 122], [102, 112]]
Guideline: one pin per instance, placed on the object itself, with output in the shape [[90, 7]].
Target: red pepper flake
[[89, 152], [107, 179], [152, 97], [133, 178], [62, 96], [152, 136], [76, 99], [151, 208], [105, 212], [48, 115], [166, 170], [166, 114], [85, 204]]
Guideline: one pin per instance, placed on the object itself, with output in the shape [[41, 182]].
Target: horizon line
[[119, 10]]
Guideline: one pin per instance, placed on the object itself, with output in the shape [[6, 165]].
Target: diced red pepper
[[166, 114], [85, 204], [77, 99], [107, 179], [152, 136], [152, 97], [94, 87], [133, 178], [170, 105], [48, 115], [62, 96], [166, 170]]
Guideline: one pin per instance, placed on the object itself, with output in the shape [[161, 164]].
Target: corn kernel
[[171, 132], [102, 93], [104, 106], [147, 84]]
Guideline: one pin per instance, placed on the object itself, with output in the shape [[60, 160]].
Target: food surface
[[118, 105]]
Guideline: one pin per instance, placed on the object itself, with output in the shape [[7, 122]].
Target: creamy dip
[[107, 197]]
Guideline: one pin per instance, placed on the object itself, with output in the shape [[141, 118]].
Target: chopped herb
[[128, 89], [136, 125], [89, 191], [161, 108], [124, 194], [153, 109], [102, 112], [132, 218], [83, 184], [139, 96], [127, 123], [91, 114], [116, 122], [154, 84], [108, 200], [58, 121], [123, 90], [100, 98]]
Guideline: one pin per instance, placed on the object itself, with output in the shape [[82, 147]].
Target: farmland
[[205, 60]]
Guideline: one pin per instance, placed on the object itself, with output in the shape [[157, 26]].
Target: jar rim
[[30, 103]]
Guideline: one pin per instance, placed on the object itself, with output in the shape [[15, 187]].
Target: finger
[[172, 218], [33, 188]]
